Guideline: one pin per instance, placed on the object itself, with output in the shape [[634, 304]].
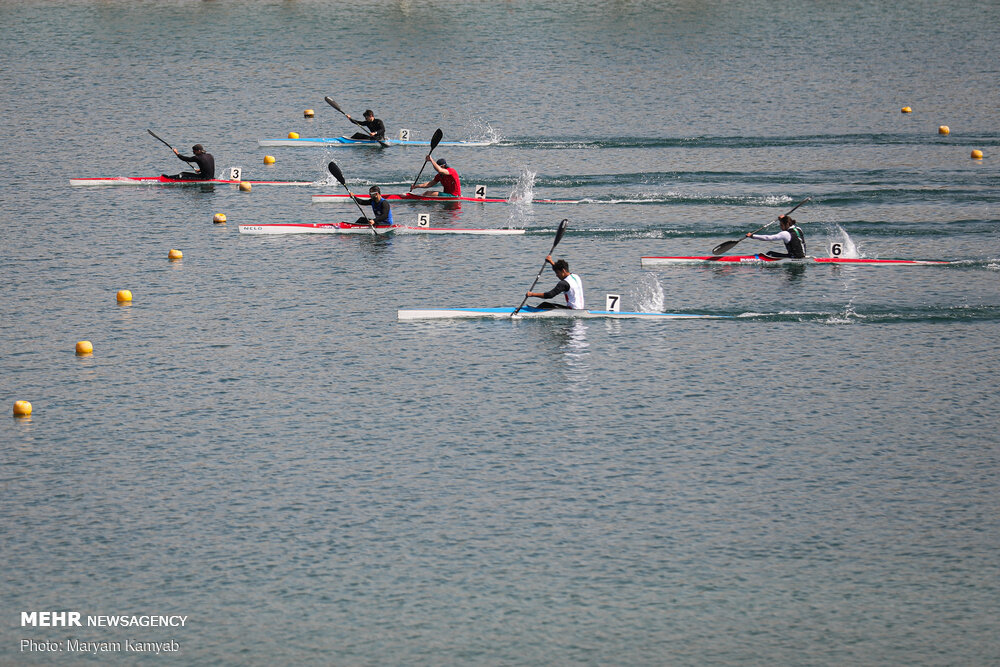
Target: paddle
[[166, 144], [339, 175], [559, 235], [329, 100], [435, 140], [726, 245]]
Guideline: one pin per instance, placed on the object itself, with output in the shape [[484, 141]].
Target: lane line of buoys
[[944, 131]]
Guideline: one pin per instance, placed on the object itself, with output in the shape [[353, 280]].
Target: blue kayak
[[532, 312], [347, 141]]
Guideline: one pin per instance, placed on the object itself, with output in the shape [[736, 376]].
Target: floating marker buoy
[[977, 154], [22, 408], [124, 295], [308, 113], [175, 254], [268, 159], [244, 186], [84, 347], [219, 217], [293, 135], [943, 129], [906, 110]]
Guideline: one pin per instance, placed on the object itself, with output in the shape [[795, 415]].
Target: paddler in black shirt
[[205, 162], [790, 235], [376, 128]]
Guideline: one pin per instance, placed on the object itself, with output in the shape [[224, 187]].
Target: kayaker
[[569, 283], [380, 208], [205, 162], [376, 128], [446, 176], [790, 235]]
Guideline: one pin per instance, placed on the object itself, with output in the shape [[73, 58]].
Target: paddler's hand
[[175, 151], [749, 235]]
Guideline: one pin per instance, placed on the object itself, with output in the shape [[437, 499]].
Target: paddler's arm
[[780, 236], [561, 286], [439, 169], [184, 157]]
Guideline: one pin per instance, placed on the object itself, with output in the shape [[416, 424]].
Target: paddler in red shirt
[[446, 176]]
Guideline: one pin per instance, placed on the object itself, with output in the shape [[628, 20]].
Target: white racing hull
[[543, 313], [352, 228]]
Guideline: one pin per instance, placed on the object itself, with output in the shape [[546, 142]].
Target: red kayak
[[409, 196], [648, 262]]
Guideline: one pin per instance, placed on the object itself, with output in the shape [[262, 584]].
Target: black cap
[[441, 162]]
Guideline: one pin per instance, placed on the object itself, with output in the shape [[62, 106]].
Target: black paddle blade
[[724, 246], [335, 170], [329, 100], [559, 233], [160, 139], [436, 139]]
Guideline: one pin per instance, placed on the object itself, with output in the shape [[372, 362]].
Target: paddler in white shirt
[[569, 284]]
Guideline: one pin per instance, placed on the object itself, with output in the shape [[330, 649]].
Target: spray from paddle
[[649, 295], [520, 198]]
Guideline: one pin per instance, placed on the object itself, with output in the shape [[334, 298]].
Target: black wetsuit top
[[205, 162], [382, 212], [797, 247], [374, 125]]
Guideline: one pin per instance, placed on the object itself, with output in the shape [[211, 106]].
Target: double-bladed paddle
[[435, 140], [329, 100], [555, 242], [726, 245], [339, 175], [166, 144]]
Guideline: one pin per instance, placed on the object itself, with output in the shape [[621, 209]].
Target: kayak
[[355, 228], [409, 196], [348, 141], [647, 262], [163, 180], [532, 312]]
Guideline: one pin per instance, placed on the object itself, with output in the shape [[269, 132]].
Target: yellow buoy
[[84, 347], [245, 186], [124, 295], [943, 129], [22, 408], [268, 159], [308, 113], [175, 254], [293, 135], [977, 154], [219, 217], [906, 110]]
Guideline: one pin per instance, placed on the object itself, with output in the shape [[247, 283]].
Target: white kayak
[[532, 312], [355, 228]]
